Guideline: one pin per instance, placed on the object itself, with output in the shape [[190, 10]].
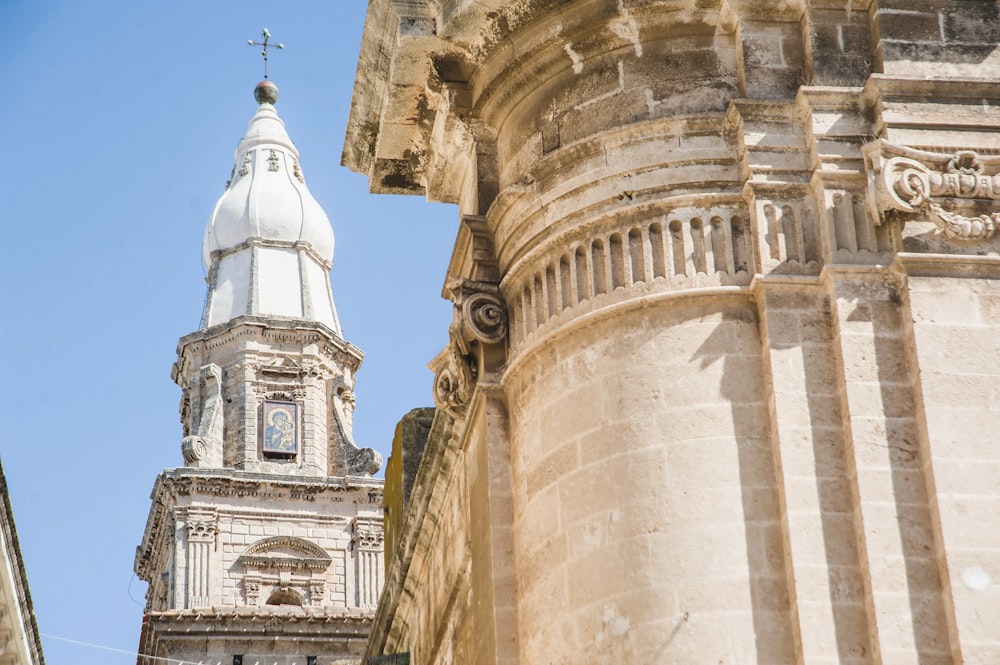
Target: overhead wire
[[136, 654]]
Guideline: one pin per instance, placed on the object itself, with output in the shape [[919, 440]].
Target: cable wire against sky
[[169, 661]]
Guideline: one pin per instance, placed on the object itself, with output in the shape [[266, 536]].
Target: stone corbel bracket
[[959, 192], [478, 334], [477, 345]]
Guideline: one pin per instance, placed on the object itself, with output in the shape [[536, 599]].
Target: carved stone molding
[[958, 192]]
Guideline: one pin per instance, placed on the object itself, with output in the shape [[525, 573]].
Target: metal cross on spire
[[266, 34]]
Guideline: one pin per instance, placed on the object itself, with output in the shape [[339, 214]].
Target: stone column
[[201, 529], [368, 545]]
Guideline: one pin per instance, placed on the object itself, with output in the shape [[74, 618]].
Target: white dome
[[267, 198], [268, 244]]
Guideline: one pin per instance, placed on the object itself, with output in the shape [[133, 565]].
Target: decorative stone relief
[[286, 567], [272, 161], [251, 590], [955, 192], [297, 172], [204, 446], [245, 167], [454, 379], [363, 461], [316, 592]]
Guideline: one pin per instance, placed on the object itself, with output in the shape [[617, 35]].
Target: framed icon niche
[[281, 436]]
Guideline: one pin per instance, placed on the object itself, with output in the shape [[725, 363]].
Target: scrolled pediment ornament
[[959, 193]]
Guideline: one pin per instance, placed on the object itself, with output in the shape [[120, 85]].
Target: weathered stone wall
[[739, 258], [408, 444]]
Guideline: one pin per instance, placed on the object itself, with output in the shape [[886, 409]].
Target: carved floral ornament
[[958, 192]]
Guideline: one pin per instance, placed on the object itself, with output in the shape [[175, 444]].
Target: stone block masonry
[[733, 395]]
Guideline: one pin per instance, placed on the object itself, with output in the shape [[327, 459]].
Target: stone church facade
[[721, 385]]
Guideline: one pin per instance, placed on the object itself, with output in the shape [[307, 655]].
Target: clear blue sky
[[119, 124]]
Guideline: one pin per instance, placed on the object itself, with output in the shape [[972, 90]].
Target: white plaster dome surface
[[268, 244], [267, 198]]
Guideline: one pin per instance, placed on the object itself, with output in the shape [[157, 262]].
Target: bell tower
[[266, 543]]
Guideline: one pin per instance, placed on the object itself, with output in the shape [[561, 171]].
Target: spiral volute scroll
[[453, 383], [194, 449], [485, 317], [952, 191]]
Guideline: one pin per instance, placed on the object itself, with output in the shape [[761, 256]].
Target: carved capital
[[369, 534], [201, 528], [251, 590], [316, 592], [958, 192]]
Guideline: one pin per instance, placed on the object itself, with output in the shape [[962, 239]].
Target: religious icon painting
[[281, 428]]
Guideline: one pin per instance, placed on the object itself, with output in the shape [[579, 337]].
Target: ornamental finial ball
[[266, 93]]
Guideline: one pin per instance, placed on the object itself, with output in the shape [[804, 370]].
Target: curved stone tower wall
[[702, 411], [645, 499]]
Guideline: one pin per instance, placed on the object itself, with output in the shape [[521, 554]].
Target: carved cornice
[[958, 192], [301, 333], [264, 622]]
